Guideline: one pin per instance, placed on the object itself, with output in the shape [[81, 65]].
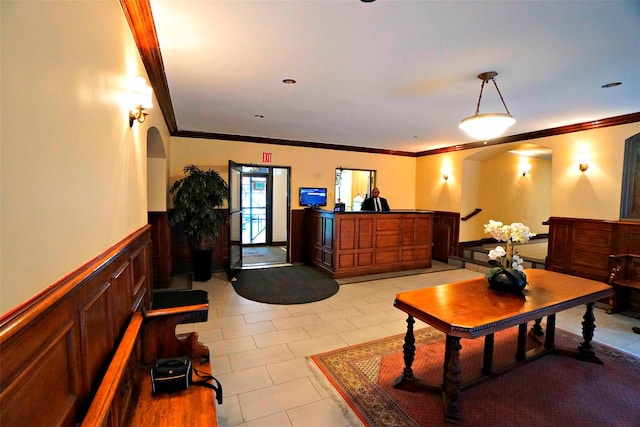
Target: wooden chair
[[625, 279]]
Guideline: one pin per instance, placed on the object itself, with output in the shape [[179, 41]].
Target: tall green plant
[[196, 201]]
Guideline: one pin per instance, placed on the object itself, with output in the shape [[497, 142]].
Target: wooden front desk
[[347, 244]]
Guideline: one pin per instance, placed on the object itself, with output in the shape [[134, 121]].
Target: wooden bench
[[625, 280], [124, 397]]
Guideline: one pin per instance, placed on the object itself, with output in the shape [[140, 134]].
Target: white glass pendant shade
[[486, 126], [489, 125]]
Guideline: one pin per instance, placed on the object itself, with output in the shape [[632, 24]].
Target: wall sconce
[[583, 164], [525, 169], [140, 99], [445, 176]]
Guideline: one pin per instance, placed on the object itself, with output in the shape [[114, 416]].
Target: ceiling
[[394, 75]]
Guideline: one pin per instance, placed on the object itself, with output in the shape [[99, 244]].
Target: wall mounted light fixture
[[140, 98], [582, 162], [488, 125], [525, 169], [445, 176]]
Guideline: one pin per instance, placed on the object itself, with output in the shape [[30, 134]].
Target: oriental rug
[[550, 391]]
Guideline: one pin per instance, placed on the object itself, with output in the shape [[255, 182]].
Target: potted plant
[[197, 199]]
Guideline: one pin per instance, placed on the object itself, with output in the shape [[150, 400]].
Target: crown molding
[[141, 23]]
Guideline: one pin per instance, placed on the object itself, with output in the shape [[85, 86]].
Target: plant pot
[[507, 280], [201, 259]]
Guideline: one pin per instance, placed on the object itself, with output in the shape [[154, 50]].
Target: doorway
[[259, 216]]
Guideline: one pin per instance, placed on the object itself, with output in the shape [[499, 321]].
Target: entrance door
[[254, 209], [235, 219], [259, 216]]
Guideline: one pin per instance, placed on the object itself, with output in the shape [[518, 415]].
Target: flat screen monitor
[[313, 196]]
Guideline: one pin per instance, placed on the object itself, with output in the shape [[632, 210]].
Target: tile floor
[[260, 352]]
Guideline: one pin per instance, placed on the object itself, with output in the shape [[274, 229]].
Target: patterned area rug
[[550, 391]]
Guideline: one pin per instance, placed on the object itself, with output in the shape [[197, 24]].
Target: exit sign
[[267, 157]]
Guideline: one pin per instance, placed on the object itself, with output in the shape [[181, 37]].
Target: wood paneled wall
[[581, 247], [181, 254], [446, 234], [161, 254], [56, 346]]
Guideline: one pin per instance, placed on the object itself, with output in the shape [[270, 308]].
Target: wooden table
[[469, 309]]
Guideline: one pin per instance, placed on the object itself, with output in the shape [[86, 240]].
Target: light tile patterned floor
[[259, 351]]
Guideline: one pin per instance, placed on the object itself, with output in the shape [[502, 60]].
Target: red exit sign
[[267, 157]]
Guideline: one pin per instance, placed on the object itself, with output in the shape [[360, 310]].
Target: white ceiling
[[395, 75]]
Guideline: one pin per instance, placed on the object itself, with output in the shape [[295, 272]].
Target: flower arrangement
[[506, 264]]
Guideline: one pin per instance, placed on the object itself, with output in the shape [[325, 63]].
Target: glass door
[[254, 209], [235, 219]]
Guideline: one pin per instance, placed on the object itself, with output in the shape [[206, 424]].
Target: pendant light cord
[[499, 94]]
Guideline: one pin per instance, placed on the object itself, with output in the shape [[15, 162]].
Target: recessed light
[[613, 84], [289, 81]]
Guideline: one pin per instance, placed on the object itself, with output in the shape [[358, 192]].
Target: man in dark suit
[[375, 202]]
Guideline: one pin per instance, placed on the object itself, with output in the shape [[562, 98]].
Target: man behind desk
[[375, 202]]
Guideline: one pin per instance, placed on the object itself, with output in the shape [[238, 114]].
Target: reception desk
[[348, 244]]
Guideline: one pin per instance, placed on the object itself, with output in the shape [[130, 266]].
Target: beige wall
[[594, 194], [309, 167], [74, 176], [73, 173]]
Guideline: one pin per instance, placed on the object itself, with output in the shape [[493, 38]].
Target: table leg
[[487, 361], [585, 349], [407, 381], [550, 339], [409, 351], [537, 329], [452, 379], [521, 352]]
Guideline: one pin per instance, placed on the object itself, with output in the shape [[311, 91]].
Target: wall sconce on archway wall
[[583, 164], [140, 100]]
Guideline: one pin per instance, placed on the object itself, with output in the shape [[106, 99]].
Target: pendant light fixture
[[488, 125]]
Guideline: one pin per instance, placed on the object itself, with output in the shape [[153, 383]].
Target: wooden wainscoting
[[582, 246], [446, 234], [161, 254], [181, 254], [56, 346]]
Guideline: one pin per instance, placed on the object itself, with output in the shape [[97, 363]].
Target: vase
[[507, 280]]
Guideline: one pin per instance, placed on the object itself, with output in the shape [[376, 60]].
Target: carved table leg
[[409, 352], [452, 379], [537, 329], [407, 381], [585, 349]]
